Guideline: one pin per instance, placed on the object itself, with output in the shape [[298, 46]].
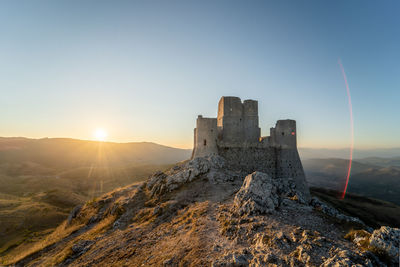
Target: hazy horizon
[[305, 152]]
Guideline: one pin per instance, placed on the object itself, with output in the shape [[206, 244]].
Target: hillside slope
[[200, 213], [42, 180]]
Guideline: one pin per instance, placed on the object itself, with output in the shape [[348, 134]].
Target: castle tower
[[251, 130], [205, 137], [230, 119], [284, 134]]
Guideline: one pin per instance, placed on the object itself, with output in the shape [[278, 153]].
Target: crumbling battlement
[[237, 126]]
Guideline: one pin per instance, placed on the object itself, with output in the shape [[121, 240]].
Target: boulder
[[257, 195], [262, 194]]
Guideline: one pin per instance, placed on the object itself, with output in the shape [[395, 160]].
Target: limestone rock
[[257, 195], [387, 239], [161, 182], [262, 194]]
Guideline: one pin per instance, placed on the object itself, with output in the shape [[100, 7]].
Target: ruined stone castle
[[236, 136]]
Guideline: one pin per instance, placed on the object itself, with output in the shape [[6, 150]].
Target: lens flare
[[351, 128]]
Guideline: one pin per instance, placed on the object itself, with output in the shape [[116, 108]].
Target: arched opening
[[205, 142], [283, 133]]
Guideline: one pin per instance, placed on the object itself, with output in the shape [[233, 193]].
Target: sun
[[100, 134]]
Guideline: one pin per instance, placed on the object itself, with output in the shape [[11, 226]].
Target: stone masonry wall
[[276, 162], [250, 159]]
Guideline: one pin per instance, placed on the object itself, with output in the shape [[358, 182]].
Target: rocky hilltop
[[202, 213]]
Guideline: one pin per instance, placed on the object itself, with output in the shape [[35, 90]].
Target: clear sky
[[144, 70]]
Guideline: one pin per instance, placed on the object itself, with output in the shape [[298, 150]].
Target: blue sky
[[144, 70]]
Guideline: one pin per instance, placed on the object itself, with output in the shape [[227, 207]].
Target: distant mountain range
[[64, 152], [372, 177], [312, 153]]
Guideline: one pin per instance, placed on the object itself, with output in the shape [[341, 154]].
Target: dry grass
[[58, 234], [363, 235], [98, 230]]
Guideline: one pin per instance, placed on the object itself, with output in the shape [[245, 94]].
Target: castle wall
[[276, 162], [250, 159], [205, 137]]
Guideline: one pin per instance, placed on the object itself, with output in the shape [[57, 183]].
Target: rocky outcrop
[[262, 194], [328, 210], [161, 182], [257, 195]]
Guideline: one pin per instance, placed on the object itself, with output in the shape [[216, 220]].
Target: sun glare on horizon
[[100, 134]]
